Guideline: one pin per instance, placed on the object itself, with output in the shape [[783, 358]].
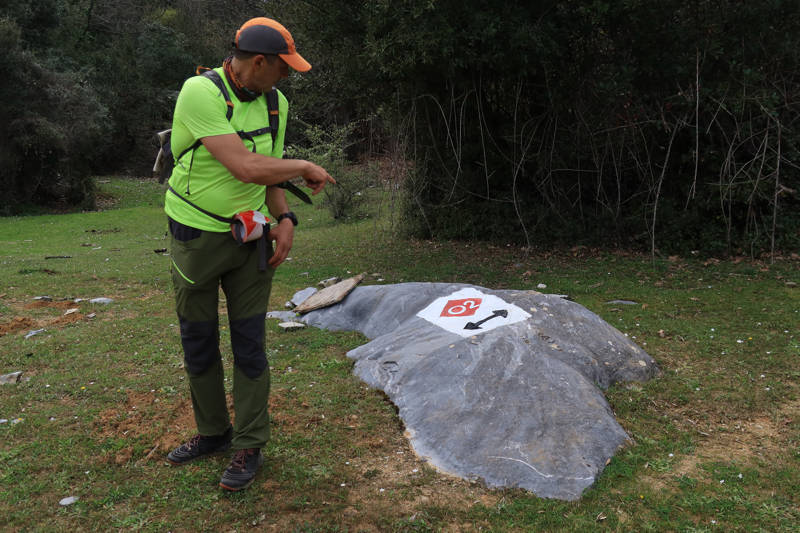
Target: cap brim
[[296, 61]]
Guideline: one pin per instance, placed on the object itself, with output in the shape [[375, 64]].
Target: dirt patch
[[41, 304], [385, 481], [21, 323], [742, 442], [162, 421], [15, 325]]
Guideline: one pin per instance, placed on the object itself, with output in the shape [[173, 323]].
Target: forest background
[[661, 125]]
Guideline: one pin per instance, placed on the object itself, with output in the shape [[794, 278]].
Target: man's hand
[[283, 235], [316, 178]]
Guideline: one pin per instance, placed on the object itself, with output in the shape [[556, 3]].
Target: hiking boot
[[242, 470], [200, 446]]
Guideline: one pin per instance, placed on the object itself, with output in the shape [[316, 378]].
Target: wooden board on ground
[[329, 295]]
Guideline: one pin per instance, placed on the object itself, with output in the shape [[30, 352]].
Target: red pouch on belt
[[248, 226]]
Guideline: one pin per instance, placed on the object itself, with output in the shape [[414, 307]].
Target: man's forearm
[[276, 202], [249, 167], [265, 170]]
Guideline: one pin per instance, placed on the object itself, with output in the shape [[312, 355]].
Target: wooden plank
[[329, 295]]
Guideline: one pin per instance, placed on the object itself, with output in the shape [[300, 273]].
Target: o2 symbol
[[466, 307]]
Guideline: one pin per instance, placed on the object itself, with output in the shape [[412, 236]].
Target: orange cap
[[267, 36]]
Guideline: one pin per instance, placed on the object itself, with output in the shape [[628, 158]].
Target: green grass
[[717, 436]]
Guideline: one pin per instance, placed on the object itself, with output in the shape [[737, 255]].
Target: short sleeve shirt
[[198, 176]]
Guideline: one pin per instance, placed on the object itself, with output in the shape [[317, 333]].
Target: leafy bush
[[327, 148]]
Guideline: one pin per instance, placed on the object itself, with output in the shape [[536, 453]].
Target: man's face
[[270, 71]]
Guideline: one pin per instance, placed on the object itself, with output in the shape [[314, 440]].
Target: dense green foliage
[[88, 82], [657, 124], [654, 123]]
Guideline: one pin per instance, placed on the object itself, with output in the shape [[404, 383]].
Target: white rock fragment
[[101, 301], [291, 326], [70, 311], [13, 377], [33, 332], [328, 282], [68, 501]]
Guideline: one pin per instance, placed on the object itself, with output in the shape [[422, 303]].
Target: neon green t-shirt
[[200, 112]]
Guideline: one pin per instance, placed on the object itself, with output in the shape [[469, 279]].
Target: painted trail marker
[[469, 312]]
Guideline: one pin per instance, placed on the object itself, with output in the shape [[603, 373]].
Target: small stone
[[541, 286], [285, 316], [33, 332], [291, 326], [91, 315], [68, 501], [13, 377], [70, 311], [621, 302], [791, 284], [103, 301], [43, 298], [328, 282]]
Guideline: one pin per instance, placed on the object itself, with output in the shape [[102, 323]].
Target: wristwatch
[[291, 216]]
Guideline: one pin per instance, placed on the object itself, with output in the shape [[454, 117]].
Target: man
[[213, 180]]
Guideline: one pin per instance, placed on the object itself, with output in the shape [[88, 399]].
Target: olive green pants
[[203, 261]]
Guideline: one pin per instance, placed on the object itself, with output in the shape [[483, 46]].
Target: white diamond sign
[[470, 312]]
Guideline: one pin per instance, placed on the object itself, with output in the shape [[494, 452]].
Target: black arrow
[[477, 325]]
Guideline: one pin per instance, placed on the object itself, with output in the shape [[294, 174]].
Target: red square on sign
[[466, 307]]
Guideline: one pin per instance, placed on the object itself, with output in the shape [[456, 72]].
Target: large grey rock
[[519, 405]]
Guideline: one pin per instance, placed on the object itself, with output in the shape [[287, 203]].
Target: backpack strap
[[274, 112], [205, 212], [217, 79], [274, 122]]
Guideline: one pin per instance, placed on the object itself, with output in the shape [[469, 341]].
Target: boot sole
[[193, 459], [237, 489]]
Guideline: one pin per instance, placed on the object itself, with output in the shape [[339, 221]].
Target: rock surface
[[301, 296], [283, 316], [519, 405]]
